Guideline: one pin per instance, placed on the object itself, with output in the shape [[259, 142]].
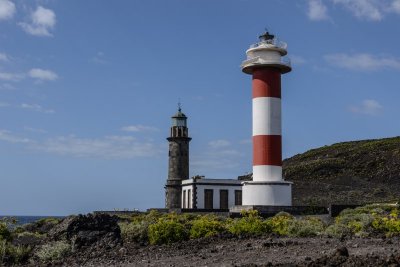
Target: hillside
[[350, 172]]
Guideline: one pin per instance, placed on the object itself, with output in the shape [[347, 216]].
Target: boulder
[[87, 230]]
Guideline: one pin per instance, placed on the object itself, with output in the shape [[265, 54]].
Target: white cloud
[[218, 155], [12, 77], [297, 60], [139, 128], [7, 136], [36, 107], [6, 86], [109, 147], [33, 107], [42, 21], [363, 62], [3, 57], [246, 141], [371, 10], [367, 107], [216, 144], [364, 9], [317, 10], [112, 147], [99, 58], [395, 6], [213, 164], [34, 130], [44, 75], [7, 9]]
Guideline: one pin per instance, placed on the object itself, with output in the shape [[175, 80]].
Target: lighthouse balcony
[[270, 43], [256, 62]]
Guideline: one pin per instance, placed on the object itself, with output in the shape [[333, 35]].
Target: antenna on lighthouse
[[179, 105]]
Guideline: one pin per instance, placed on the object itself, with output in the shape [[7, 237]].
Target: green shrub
[[3, 249], [166, 231], [151, 217], [388, 224], [5, 234], [29, 234], [337, 230], [359, 224], [13, 254], [250, 223], [18, 254], [49, 220], [279, 224], [206, 226], [308, 226], [53, 251], [135, 231]]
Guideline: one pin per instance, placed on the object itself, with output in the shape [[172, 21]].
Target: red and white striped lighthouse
[[265, 63]]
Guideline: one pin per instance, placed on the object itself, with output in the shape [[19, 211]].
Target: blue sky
[[87, 89]]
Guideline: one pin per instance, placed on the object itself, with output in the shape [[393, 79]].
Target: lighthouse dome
[[179, 114]]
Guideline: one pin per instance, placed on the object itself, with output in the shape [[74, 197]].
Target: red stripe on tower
[[267, 150], [267, 83]]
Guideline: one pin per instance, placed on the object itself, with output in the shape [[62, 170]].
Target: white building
[[211, 194]]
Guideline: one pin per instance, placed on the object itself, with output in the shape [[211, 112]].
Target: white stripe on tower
[[267, 116]]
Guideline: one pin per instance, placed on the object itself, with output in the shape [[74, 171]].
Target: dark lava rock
[[42, 226], [85, 230], [59, 232], [27, 240], [342, 251]]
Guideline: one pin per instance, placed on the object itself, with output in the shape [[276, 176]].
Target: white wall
[[216, 188], [185, 189], [273, 194]]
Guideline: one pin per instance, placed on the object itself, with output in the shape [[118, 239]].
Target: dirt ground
[[262, 251]]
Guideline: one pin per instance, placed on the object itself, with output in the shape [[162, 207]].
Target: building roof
[[179, 114], [212, 181]]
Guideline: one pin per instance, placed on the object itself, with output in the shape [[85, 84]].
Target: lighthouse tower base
[[276, 193]]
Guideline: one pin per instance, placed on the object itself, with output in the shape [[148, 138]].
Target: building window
[[184, 199], [238, 197], [208, 199], [189, 198], [223, 199]]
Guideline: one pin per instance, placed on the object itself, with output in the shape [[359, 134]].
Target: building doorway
[[208, 199], [223, 199], [238, 197]]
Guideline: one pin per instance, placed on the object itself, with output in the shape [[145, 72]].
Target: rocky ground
[[96, 241], [263, 251]]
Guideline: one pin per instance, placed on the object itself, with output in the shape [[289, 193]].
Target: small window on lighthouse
[[182, 123], [178, 122]]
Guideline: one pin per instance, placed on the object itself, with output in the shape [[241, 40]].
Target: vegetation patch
[[279, 224], [306, 227], [167, 230], [53, 251], [12, 255], [250, 224], [206, 226], [5, 233]]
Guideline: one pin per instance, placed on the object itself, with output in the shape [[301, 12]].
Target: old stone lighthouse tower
[[178, 154]]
